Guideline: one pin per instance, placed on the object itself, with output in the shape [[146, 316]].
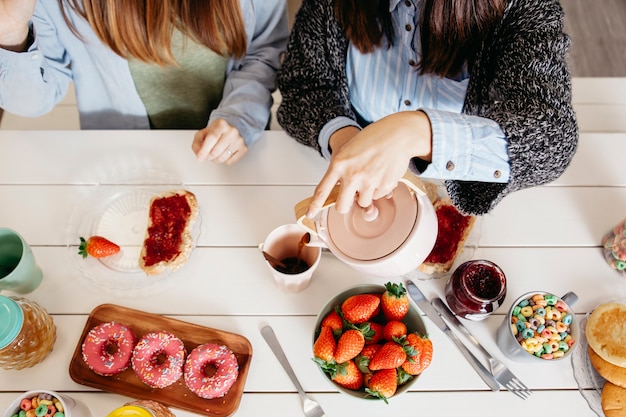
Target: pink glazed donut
[[158, 359], [226, 370], [107, 348]]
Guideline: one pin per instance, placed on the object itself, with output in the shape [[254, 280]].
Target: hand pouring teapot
[[392, 237]]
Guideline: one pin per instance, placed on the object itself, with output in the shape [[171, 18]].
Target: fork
[[501, 373], [310, 407]]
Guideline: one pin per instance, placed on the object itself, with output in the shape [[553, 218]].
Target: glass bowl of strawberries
[[370, 342]]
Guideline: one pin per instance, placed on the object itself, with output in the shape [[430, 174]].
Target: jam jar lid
[[11, 319], [130, 411], [375, 232]]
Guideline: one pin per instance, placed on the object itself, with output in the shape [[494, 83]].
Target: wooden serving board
[[176, 395]]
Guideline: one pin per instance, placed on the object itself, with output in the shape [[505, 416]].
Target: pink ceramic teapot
[[392, 237]]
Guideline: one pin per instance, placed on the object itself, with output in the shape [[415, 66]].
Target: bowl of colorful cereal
[[46, 403], [539, 326]]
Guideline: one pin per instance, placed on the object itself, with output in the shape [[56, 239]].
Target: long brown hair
[[142, 29], [451, 31]]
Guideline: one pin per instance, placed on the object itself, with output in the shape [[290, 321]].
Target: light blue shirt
[[33, 82], [386, 81]]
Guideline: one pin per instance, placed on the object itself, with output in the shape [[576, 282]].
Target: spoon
[[306, 238], [273, 261]]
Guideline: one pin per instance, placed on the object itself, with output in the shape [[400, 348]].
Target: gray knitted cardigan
[[520, 79]]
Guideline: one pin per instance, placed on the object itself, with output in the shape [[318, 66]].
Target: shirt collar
[[393, 4]]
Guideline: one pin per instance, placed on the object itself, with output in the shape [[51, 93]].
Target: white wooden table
[[546, 238]]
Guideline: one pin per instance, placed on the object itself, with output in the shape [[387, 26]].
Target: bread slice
[[454, 229], [608, 371], [606, 332], [168, 242], [613, 400]]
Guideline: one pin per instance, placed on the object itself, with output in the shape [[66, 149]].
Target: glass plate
[[466, 253], [118, 210], [589, 382]]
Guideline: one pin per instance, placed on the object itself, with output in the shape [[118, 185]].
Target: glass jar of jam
[[142, 408], [476, 289], [27, 333]]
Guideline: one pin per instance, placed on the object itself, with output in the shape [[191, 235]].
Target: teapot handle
[[411, 180]]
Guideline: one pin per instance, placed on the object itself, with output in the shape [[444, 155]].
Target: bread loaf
[[608, 371], [168, 241], [613, 400], [453, 230], [606, 332]]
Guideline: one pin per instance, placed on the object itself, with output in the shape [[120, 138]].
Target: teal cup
[[18, 270]]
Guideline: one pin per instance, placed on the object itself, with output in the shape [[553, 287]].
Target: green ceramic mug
[[18, 270]]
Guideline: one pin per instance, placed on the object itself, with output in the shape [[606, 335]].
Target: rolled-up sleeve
[[250, 81], [467, 148]]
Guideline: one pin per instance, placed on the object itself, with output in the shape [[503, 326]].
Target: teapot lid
[[372, 233]]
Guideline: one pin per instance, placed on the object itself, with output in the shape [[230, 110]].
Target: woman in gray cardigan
[[475, 92]]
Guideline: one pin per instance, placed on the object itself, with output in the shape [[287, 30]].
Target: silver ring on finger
[[230, 153]]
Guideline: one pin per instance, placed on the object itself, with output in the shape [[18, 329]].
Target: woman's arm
[[33, 81], [521, 81], [312, 79], [250, 81]]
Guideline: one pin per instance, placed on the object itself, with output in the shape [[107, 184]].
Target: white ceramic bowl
[[413, 321], [71, 407]]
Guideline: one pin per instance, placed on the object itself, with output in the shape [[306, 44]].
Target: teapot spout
[[315, 241]]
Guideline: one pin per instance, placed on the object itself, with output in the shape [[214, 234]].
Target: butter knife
[[500, 372], [430, 312]]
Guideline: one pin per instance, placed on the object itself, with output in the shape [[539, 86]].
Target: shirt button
[[412, 63], [407, 102], [408, 28], [497, 173], [408, 3], [450, 166]]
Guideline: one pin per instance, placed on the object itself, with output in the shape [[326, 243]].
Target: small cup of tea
[[476, 289], [290, 260]]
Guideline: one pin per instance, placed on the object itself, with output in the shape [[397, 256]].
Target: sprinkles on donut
[[158, 359], [107, 348], [213, 355]]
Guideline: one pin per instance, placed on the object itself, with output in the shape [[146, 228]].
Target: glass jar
[[476, 289], [142, 408], [614, 247], [27, 333]]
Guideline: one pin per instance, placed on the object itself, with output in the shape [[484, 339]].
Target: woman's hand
[[369, 164], [219, 142], [14, 18]]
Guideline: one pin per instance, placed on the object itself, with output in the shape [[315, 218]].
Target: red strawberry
[[375, 334], [349, 345], [383, 384], [348, 376], [423, 349], [359, 308], [98, 247], [394, 302], [325, 345], [393, 329], [363, 359], [389, 356], [334, 321]]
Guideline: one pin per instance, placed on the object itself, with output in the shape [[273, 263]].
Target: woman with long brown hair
[[175, 64], [473, 92]]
